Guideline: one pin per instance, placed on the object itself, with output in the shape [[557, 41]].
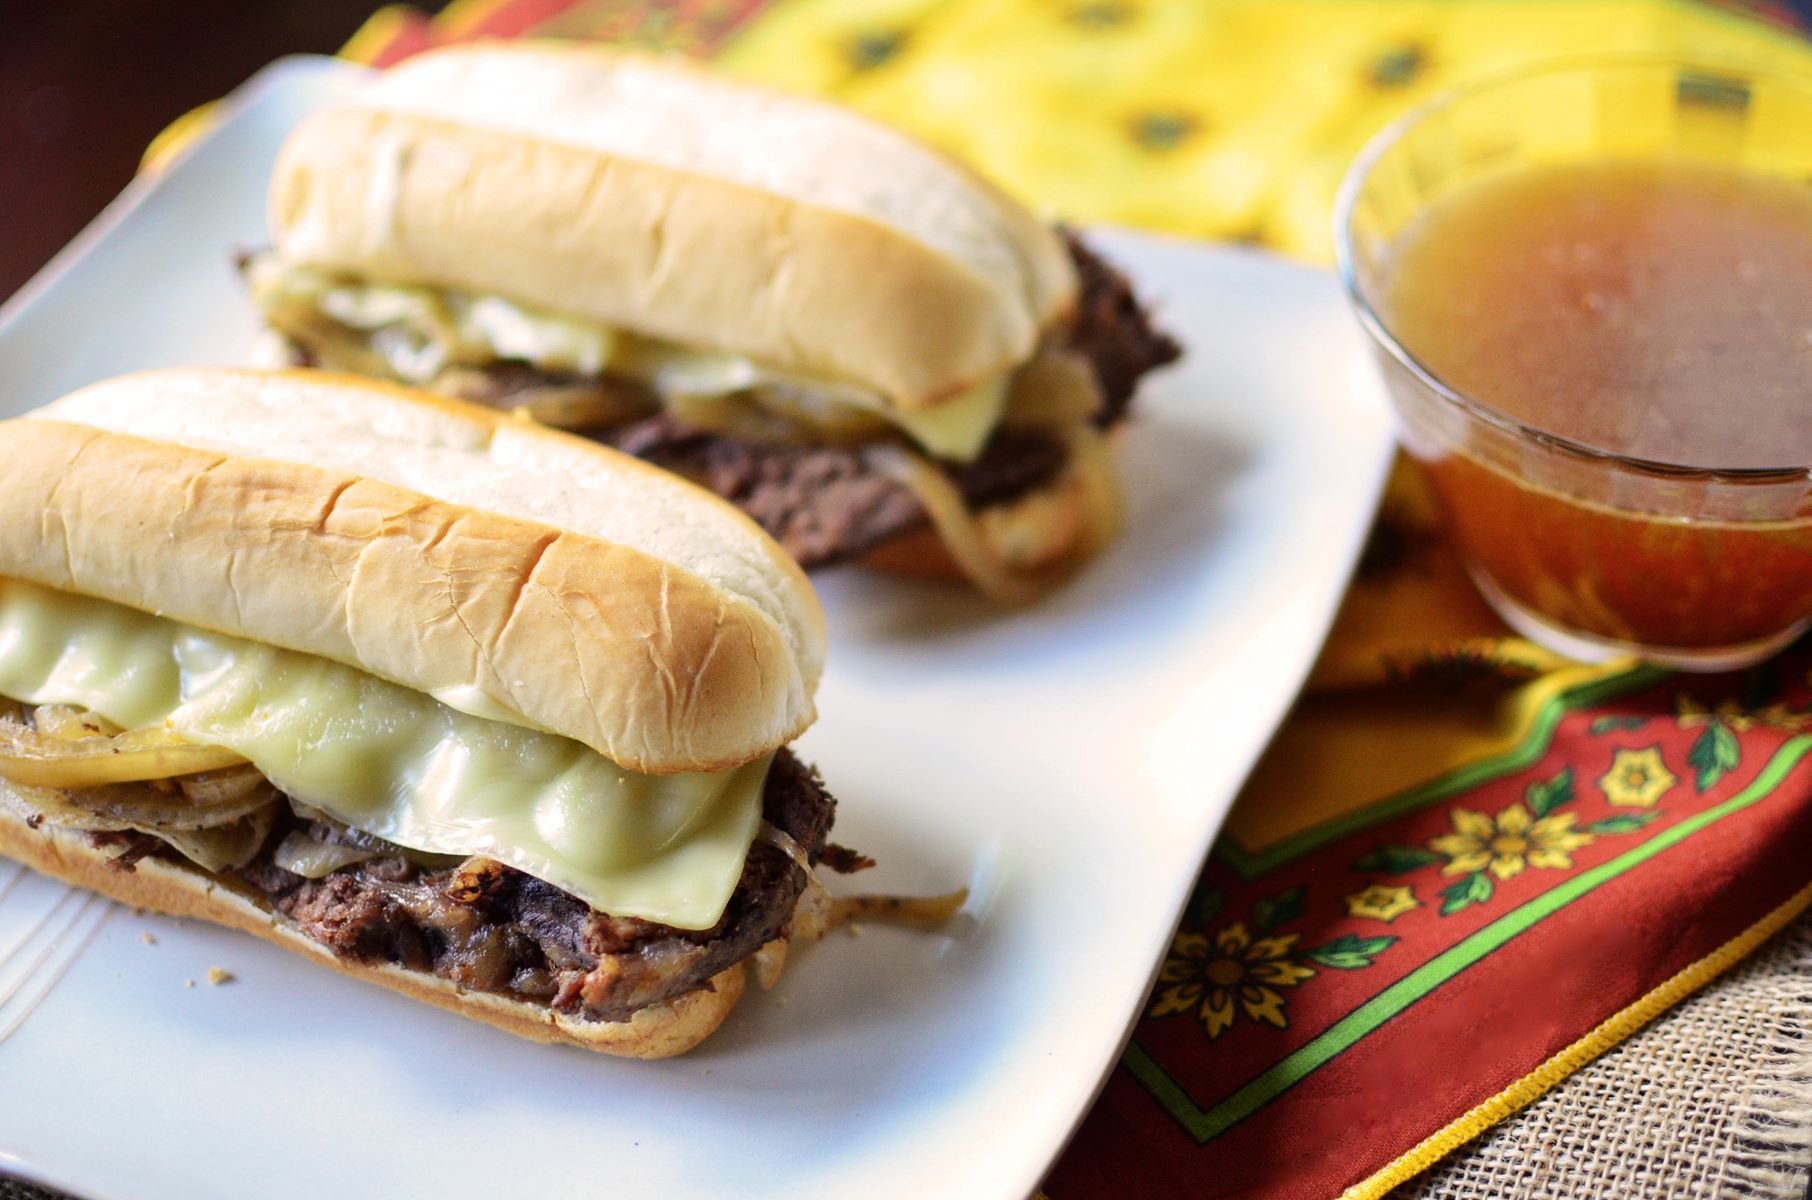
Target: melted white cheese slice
[[395, 762], [418, 330]]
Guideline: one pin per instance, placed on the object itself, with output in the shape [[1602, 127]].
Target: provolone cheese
[[418, 331], [395, 762]]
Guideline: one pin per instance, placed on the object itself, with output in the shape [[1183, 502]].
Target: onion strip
[[976, 553], [956, 527], [149, 807], [1103, 503], [67, 723], [783, 841], [225, 847], [39, 759], [910, 910], [1055, 390], [302, 855], [817, 912]]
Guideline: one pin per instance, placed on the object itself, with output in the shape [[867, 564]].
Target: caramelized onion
[[345, 846], [579, 404], [224, 843], [783, 841], [226, 847], [1056, 390], [215, 789], [956, 526], [910, 910], [817, 911], [969, 544], [151, 807], [593, 407], [68, 724], [34, 804], [776, 413], [813, 913], [1094, 468], [302, 855], [37, 758]]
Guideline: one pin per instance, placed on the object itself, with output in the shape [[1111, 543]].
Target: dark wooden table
[[86, 84]]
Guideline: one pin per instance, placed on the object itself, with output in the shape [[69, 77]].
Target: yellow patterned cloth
[[1225, 119]]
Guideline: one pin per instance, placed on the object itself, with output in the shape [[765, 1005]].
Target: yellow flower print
[[1234, 972], [1382, 902], [1637, 778], [1509, 843]]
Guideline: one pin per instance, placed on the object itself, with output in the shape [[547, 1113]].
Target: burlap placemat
[[1712, 1100]]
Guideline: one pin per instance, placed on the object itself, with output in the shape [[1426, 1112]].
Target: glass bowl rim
[[1359, 171]]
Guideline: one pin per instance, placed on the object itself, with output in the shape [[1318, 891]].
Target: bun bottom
[[175, 889], [1048, 532]]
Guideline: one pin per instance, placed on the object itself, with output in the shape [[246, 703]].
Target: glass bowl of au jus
[[1589, 290]]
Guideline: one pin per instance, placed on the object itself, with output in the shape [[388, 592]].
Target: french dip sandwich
[[482, 712], [861, 343]]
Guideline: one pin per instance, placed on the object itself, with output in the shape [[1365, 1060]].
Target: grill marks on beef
[[512, 933], [826, 504]]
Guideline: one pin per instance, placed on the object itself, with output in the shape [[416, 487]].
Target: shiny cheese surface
[[417, 331], [395, 762]]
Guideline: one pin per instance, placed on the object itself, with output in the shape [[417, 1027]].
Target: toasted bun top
[[653, 196], [511, 571]]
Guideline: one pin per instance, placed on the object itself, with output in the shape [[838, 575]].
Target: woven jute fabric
[[1712, 1100]]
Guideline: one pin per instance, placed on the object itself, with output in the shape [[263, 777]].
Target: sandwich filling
[[430, 337], [392, 761], [387, 826], [831, 470]]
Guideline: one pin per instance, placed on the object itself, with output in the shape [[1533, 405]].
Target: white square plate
[[1071, 763]]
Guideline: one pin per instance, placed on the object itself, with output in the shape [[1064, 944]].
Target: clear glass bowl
[[1592, 553]]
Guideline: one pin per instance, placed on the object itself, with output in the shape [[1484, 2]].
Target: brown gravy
[[1655, 309]]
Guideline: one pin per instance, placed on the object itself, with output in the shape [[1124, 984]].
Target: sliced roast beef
[[826, 504], [1114, 332], [492, 928]]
